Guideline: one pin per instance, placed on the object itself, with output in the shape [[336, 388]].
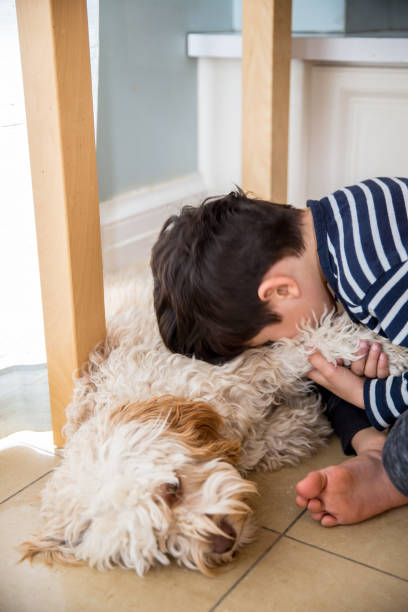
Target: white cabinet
[[348, 116], [353, 125]]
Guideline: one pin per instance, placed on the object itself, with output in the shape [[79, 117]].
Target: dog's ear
[[194, 423], [51, 547]]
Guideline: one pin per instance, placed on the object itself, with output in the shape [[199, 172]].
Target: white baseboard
[[130, 222]]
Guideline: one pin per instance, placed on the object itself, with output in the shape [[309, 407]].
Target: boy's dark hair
[[207, 265]]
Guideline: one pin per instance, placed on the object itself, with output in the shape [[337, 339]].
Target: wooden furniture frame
[[58, 95], [266, 52], [57, 84]]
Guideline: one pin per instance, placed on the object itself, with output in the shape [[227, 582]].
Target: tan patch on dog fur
[[193, 423]]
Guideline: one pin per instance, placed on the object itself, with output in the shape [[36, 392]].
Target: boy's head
[[208, 264]]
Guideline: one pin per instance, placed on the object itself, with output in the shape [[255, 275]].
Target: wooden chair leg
[[266, 39], [57, 85]]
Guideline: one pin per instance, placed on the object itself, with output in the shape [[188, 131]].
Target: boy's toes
[[328, 520], [315, 505], [301, 501], [312, 486], [317, 516]]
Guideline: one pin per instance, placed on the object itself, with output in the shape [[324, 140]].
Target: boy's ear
[[278, 288]]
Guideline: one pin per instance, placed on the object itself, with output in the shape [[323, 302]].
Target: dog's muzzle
[[223, 544]]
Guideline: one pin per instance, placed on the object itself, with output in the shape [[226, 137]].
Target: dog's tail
[[52, 549]]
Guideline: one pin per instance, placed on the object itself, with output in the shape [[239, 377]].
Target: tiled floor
[[295, 565]]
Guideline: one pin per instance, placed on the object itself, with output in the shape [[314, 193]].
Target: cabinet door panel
[[357, 124]]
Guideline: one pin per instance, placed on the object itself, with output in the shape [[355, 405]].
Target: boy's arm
[[385, 399]]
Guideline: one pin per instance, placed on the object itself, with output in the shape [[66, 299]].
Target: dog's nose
[[223, 544]]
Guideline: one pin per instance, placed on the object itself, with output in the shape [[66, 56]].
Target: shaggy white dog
[[158, 444]]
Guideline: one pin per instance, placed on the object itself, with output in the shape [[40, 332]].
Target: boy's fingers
[[317, 377], [358, 367], [373, 356], [319, 363], [382, 369]]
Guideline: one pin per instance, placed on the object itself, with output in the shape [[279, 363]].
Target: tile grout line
[[330, 552], [261, 556], [25, 487], [273, 530]]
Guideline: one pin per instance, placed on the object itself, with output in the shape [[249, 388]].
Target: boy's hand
[[373, 362], [349, 383], [338, 379]]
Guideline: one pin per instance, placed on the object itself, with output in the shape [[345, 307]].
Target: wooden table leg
[[266, 39], [57, 86]]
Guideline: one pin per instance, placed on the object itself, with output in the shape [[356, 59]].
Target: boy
[[237, 272]]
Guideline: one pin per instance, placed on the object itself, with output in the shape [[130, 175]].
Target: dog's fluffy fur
[[146, 479]]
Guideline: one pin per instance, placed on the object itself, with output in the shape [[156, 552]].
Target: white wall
[[147, 117]]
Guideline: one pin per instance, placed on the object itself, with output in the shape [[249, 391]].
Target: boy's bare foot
[[354, 491]]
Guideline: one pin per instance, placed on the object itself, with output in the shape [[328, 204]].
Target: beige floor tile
[[380, 542], [275, 507], [293, 577], [37, 588], [21, 465]]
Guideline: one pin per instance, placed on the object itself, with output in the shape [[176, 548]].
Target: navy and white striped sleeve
[[385, 399]]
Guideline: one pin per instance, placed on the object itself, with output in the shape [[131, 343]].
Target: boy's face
[[295, 289], [276, 331], [293, 313]]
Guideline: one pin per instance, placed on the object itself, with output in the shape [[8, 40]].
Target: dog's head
[[150, 481]]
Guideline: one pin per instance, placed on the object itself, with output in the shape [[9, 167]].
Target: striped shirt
[[362, 242]]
